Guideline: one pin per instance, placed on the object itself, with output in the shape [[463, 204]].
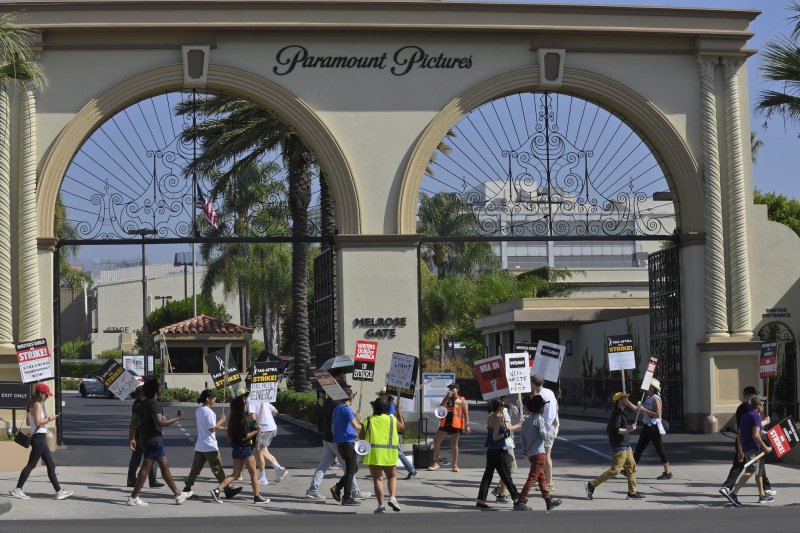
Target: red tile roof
[[204, 325]]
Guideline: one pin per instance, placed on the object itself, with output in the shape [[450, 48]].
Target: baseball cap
[[618, 395], [535, 404], [41, 387]]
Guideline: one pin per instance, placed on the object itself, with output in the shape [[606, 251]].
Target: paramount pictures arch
[[677, 75]]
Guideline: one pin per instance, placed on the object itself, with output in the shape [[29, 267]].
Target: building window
[[186, 360]]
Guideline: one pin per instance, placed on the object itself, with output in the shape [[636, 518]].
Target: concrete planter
[[14, 456]]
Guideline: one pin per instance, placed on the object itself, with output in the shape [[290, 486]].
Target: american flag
[[205, 206]]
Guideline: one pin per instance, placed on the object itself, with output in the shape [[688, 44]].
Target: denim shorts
[[154, 450], [242, 453]]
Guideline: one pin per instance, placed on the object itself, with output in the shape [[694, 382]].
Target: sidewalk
[[98, 494]]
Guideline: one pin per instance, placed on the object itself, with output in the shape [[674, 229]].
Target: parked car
[[91, 386]]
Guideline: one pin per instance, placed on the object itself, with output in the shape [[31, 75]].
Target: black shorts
[[451, 430]]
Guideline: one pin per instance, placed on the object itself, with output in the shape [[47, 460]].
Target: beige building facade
[[372, 87]]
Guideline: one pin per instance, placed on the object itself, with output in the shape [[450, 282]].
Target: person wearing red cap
[[37, 421]]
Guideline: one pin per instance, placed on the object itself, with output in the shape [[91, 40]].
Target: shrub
[[112, 353], [78, 370], [178, 394], [299, 405], [77, 349], [70, 384]]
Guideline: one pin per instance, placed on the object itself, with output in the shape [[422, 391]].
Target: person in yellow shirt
[[380, 430]]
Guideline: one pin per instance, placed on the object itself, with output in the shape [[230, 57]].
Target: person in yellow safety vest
[[453, 424], [380, 430]]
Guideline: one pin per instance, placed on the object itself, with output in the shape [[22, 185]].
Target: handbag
[[22, 438]]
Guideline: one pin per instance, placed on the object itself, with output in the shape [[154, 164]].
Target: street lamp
[[144, 232], [164, 299], [183, 259]]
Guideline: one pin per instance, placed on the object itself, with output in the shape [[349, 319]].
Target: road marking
[[601, 454]]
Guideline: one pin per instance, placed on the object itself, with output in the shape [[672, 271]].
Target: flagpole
[[194, 201]]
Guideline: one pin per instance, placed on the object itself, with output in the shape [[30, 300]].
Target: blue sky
[[776, 167]]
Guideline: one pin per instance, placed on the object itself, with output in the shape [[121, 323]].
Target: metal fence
[[593, 394]]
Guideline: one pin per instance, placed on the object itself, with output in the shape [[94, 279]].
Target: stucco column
[[28, 277], [716, 306], [6, 316], [738, 261]]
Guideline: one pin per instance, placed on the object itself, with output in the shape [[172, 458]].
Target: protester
[[242, 436], [750, 445], [150, 420], [206, 448], [330, 452], [622, 456], [534, 436], [738, 466], [453, 424], [496, 433], [550, 416], [345, 425], [652, 427], [394, 409], [381, 431], [37, 422], [500, 490], [138, 453], [263, 413]]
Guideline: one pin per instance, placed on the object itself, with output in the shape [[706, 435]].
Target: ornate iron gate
[[665, 329], [324, 305]]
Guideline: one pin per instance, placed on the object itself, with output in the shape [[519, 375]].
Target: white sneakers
[[262, 479], [315, 495], [17, 493], [280, 474], [137, 501], [393, 503], [63, 494], [182, 497]]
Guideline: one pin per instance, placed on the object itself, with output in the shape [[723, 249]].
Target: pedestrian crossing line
[[601, 454]]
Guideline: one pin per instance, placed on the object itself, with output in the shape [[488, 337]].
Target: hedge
[[299, 405]]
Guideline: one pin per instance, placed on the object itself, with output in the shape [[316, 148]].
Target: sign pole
[[623, 380], [360, 395], [519, 401]]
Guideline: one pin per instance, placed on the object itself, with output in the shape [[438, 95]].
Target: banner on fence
[[768, 361], [34, 360], [621, 355], [435, 388], [491, 376], [549, 357]]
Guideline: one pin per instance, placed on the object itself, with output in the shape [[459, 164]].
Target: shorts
[[450, 430], [758, 466], [154, 450], [551, 437], [511, 460], [265, 438], [242, 453]]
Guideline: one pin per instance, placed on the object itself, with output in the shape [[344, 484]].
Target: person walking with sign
[[381, 431], [37, 422], [137, 454], [242, 437], [750, 448], [150, 420], [622, 456], [345, 425], [534, 436], [206, 448], [496, 433], [453, 424], [652, 428]]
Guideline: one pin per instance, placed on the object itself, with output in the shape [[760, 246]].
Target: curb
[[299, 423], [5, 507]]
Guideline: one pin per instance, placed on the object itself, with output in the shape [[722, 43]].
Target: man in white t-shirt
[[264, 414], [206, 448], [550, 416]]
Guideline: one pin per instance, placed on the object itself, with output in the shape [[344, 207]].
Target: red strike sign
[[783, 437], [364, 365]]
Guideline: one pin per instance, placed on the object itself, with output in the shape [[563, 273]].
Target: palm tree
[[239, 133], [782, 64], [755, 145]]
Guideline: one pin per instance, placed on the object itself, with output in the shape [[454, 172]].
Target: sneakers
[[137, 501], [260, 499], [503, 499], [263, 481], [231, 492], [521, 506], [156, 485], [496, 492], [770, 492], [336, 492], [17, 493], [665, 475], [766, 498], [63, 494], [350, 502], [315, 495], [725, 491], [734, 500], [483, 504], [411, 475], [552, 503], [434, 466], [635, 496], [280, 474], [216, 495], [589, 490], [380, 509], [393, 504], [182, 497], [362, 495]]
